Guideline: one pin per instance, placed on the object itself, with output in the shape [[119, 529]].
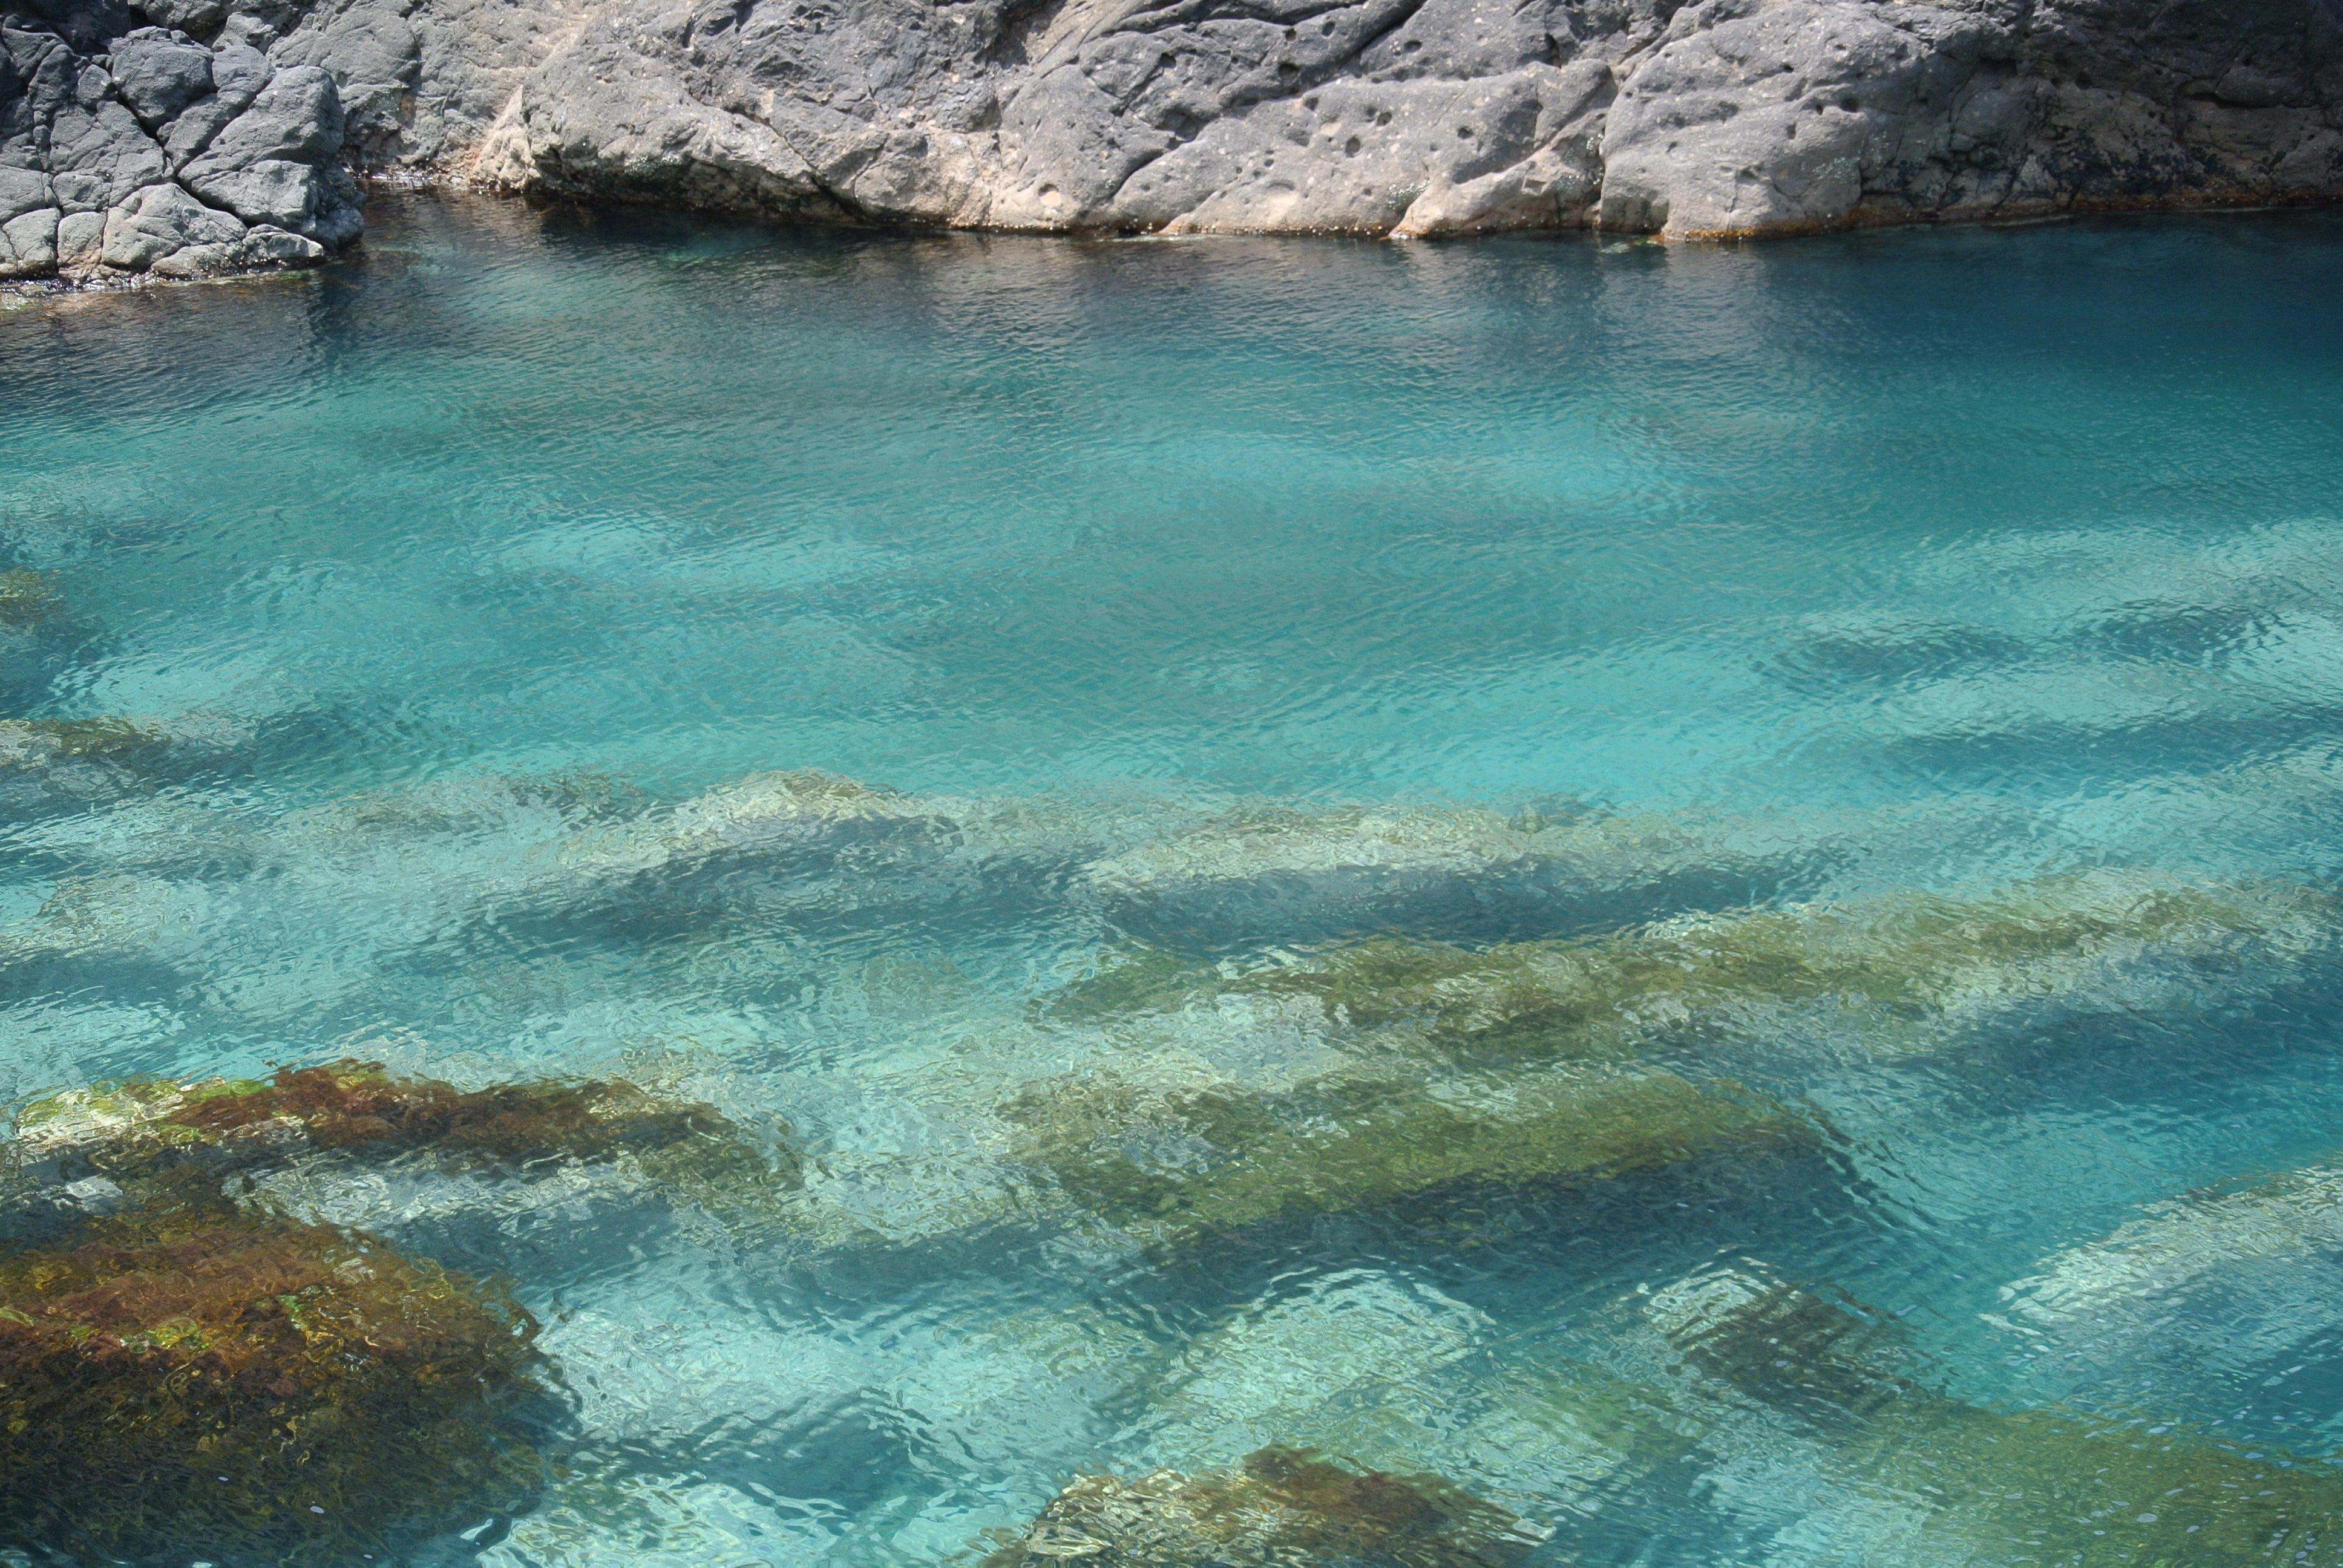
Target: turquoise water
[[1244, 599]]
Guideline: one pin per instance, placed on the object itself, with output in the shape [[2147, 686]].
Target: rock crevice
[[127, 146], [196, 135]]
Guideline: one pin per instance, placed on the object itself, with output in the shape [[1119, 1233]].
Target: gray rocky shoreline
[[195, 138]]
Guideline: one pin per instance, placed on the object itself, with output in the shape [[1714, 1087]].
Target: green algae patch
[[1279, 1508], [140, 1126], [191, 1380], [2070, 1486], [1905, 961], [1170, 1164]]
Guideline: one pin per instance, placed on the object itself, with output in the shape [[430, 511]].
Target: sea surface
[[511, 604]]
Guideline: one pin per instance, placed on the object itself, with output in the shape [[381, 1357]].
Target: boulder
[[80, 236], [29, 244], [159, 72], [157, 222], [200, 19], [127, 148]]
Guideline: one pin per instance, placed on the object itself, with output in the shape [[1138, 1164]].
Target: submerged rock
[[2232, 1280], [26, 599], [1281, 1506], [2074, 1486], [184, 1379], [1169, 1164], [142, 1126], [762, 818], [1279, 874], [1904, 969], [31, 743]]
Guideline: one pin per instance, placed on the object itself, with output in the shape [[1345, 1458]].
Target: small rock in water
[[1281, 1506]]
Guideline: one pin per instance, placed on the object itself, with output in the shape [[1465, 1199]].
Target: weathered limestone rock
[[1726, 117], [1410, 118]]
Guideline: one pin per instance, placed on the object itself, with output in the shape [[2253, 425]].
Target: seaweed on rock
[[1280, 1507], [1170, 1164], [189, 1379], [1905, 964], [141, 1126]]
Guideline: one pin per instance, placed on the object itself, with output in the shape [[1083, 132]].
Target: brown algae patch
[[1281, 1507], [190, 1379], [144, 1125]]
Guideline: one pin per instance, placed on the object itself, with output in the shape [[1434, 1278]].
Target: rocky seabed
[[227, 1286], [194, 137]]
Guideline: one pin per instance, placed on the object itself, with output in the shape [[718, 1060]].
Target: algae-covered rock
[[1281, 1507], [186, 1380], [2070, 1485], [1273, 872], [26, 598], [144, 1125], [1901, 967], [1172, 1163], [762, 815], [28, 743]]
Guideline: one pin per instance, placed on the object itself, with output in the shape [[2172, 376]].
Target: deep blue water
[[1907, 561]]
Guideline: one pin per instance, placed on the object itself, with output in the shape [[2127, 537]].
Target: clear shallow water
[[1159, 574]]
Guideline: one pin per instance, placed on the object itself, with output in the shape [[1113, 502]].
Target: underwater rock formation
[[128, 149], [1271, 873], [1280, 1506], [185, 1379], [1899, 973], [1204, 1099], [1172, 1164], [2181, 1240], [145, 1126], [2071, 1485], [2229, 1277]]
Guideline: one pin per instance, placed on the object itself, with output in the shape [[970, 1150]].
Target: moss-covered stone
[[144, 1125], [189, 1380], [1168, 1164], [2070, 1486], [1906, 961], [1279, 1508]]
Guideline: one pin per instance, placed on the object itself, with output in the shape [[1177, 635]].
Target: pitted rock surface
[[1429, 117], [127, 147], [1721, 117]]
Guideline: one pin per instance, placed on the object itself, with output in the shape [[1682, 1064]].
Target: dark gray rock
[[126, 149], [158, 72], [159, 221], [198, 19]]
